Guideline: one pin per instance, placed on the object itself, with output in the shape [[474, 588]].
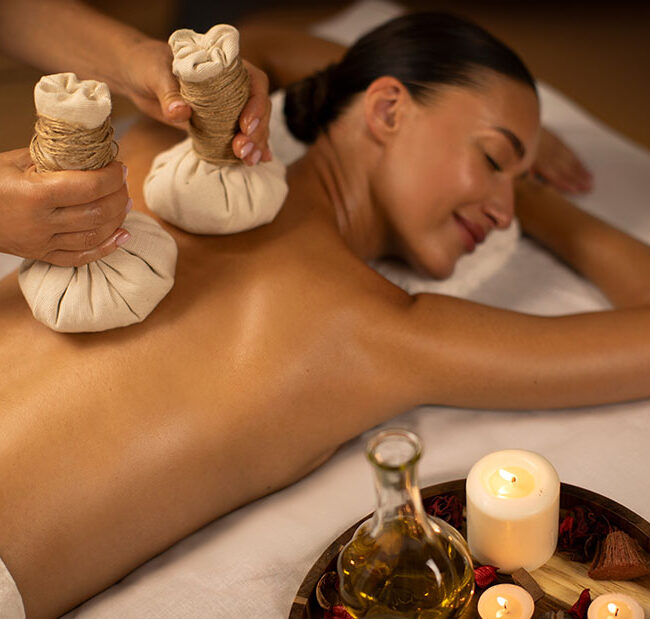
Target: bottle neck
[[398, 494]]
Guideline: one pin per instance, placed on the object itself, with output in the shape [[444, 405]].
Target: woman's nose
[[501, 206]]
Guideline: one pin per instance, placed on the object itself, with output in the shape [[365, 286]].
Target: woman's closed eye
[[493, 164]]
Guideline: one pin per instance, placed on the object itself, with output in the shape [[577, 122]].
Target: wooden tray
[[562, 580]]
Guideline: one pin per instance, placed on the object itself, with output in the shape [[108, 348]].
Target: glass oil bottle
[[402, 562]]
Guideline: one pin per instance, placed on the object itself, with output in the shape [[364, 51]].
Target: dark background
[[597, 53]]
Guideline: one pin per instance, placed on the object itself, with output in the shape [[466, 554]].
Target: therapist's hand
[[558, 165], [66, 218], [252, 142], [151, 85]]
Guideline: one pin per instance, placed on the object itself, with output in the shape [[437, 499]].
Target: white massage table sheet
[[250, 563]]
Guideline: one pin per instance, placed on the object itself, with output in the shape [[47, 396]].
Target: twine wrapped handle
[[59, 146], [80, 137], [216, 105], [215, 83]]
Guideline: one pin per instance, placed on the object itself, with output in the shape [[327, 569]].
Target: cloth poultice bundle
[[199, 185], [73, 133]]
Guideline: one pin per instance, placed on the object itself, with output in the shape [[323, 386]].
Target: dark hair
[[419, 49]]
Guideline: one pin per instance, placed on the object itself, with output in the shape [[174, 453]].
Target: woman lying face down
[[277, 345]]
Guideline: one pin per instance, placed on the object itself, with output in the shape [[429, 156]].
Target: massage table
[[250, 563]]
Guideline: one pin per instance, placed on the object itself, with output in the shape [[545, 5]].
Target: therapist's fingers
[[78, 258], [32, 203], [149, 82], [251, 143], [76, 187], [93, 215], [86, 239]]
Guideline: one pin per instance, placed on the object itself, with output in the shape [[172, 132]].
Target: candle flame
[[508, 476], [612, 608], [503, 602]]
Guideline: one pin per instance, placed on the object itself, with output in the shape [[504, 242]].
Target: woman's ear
[[385, 101]]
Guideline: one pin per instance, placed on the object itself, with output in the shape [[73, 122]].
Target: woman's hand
[[151, 85], [558, 165], [67, 218]]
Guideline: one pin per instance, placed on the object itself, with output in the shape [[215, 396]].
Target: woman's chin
[[437, 262], [441, 270]]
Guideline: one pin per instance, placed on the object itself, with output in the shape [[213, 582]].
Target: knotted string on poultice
[[58, 145], [216, 105]]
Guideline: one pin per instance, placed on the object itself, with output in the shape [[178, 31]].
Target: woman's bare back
[[262, 359]]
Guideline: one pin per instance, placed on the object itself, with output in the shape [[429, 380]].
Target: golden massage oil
[[402, 562]]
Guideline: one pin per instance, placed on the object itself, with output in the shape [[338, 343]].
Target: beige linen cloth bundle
[[203, 193], [124, 287]]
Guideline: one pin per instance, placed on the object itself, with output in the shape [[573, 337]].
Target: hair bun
[[307, 105]]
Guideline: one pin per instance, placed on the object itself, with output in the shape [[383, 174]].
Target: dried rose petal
[[485, 575], [567, 525], [447, 507], [338, 612], [579, 609], [580, 532]]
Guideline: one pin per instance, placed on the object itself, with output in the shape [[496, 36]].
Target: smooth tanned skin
[[277, 345]]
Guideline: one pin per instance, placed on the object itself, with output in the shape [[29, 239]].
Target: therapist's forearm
[[66, 35]]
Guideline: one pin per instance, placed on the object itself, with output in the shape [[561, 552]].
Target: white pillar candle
[[615, 606], [505, 602], [513, 507]]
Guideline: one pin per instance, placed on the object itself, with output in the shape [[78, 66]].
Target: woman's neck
[[334, 178]]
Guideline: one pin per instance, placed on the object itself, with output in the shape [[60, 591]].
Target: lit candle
[[513, 506], [505, 602], [615, 606]]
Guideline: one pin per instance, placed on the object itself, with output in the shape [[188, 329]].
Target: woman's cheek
[[474, 182], [437, 253]]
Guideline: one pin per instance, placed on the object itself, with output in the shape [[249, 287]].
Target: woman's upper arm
[[454, 352]]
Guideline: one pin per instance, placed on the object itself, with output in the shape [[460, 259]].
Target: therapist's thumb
[[174, 108]]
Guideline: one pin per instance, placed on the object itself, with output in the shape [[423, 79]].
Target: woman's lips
[[473, 234]]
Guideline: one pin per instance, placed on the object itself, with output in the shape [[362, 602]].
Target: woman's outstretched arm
[[617, 263], [465, 354]]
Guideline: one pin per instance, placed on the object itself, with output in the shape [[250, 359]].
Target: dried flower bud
[[338, 612], [580, 532], [485, 575], [447, 507]]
